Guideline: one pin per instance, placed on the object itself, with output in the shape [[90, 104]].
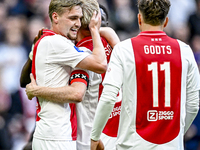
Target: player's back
[[154, 92]]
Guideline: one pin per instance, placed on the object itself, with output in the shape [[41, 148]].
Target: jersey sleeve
[[192, 88], [62, 51], [114, 74], [104, 108], [193, 78], [112, 83]]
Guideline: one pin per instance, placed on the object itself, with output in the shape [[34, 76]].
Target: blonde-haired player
[[86, 109]]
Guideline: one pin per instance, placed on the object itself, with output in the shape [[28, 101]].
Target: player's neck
[[147, 27], [82, 34]]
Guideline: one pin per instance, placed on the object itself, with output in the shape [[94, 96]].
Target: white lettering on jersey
[[156, 49], [153, 115], [116, 111]]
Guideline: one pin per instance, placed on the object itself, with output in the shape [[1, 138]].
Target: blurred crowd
[[20, 20]]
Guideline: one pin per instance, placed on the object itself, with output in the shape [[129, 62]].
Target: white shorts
[[108, 142], [39, 144]]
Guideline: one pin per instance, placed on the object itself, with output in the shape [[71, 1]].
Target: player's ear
[[55, 17], [139, 19], [166, 21]]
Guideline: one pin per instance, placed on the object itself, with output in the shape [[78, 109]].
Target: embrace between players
[[146, 83]]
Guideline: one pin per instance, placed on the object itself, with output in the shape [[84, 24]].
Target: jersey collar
[[152, 33]]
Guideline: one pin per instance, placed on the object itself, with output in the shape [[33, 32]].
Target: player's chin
[[72, 37]]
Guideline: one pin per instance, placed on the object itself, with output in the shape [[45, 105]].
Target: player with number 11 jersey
[[155, 99]]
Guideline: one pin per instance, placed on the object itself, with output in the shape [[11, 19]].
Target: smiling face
[[68, 23]]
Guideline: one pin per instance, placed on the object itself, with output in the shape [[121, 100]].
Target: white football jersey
[[86, 109], [158, 74], [54, 56]]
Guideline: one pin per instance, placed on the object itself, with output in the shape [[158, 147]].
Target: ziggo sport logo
[[116, 112], [154, 115]]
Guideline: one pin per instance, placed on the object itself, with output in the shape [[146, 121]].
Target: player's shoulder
[[123, 49], [84, 49], [183, 44], [56, 38], [185, 48], [186, 51], [57, 41], [125, 44]]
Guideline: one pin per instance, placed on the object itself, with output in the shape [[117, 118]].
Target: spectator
[[13, 56], [5, 102], [194, 22]]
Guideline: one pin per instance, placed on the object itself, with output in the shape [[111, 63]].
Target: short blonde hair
[[59, 6], [89, 6]]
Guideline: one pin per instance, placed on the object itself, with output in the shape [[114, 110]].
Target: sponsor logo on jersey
[[154, 115], [116, 111]]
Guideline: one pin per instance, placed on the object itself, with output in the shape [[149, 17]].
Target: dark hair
[[104, 16], [104, 9], [197, 1], [154, 12]]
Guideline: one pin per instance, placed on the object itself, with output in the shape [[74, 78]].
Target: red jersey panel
[[112, 125], [87, 42], [45, 33], [111, 128], [158, 74], [73, 118]]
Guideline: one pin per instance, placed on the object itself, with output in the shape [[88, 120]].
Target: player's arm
[[66, 94], [110, 35], [112, 83], [26, 70], [192, 108], [25, 74], [104, 109], [192, 91], [95, 62]]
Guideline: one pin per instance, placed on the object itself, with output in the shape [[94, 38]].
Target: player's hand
[[37, 37], [97, 145], [95, 21], [30, 88], [40, 33]]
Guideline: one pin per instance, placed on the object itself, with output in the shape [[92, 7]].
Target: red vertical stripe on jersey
[[38, 107], [157, 123], [109, 129], [87, 42], [73, 120], [45, 33]]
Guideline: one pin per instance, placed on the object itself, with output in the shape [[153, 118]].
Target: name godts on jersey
[[157, 49]]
